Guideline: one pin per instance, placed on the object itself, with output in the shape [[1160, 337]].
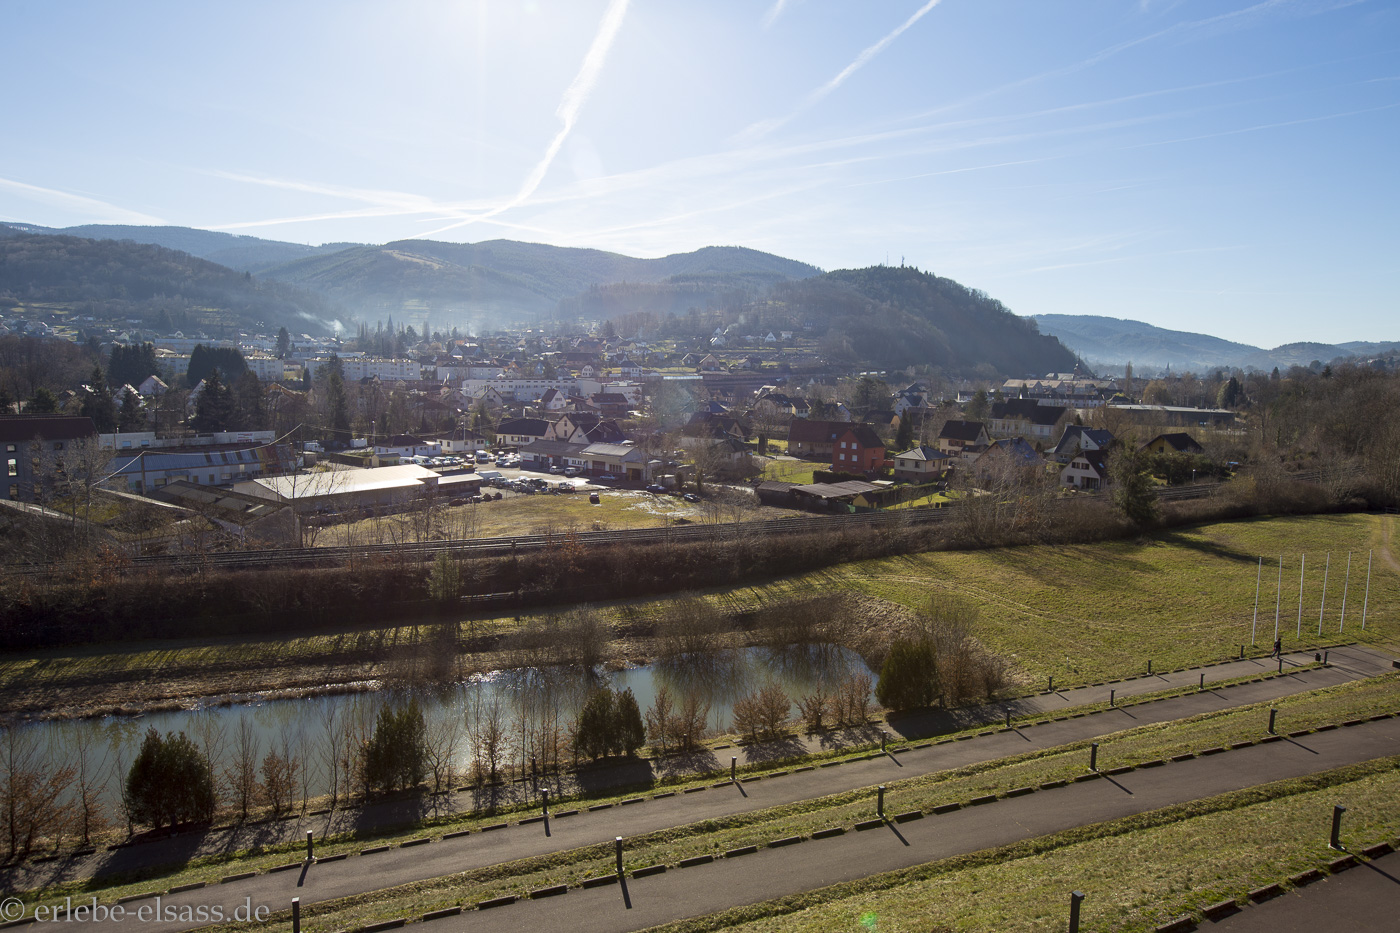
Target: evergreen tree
[[131, 417], [396, 754], [594, 735], [1134, 493], [7, 401], [631, 732], [169, 782], [252, 410], [42, 402], [909, 676], [337, 407], [98, 403], [904, 438], [217, 409], [284, 343]]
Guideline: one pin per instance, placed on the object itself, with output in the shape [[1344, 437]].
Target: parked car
[[608, 476], [691, 497], [656, 488], [593, 498], [556, 470], [571, 471]]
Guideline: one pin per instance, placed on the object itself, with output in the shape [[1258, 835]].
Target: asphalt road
[[1364, 899], [968, 830]]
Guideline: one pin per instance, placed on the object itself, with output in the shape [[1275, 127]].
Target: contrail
[[108, 212], [569, 107], [860, 61]]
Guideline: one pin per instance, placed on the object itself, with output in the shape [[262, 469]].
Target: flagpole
[[1257, 577], [1302, 565], [1367, 600], [1342, 626], [1323, 608]]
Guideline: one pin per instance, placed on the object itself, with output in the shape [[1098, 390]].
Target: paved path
[[775, 872], [377, 870], [1364, 899], [1348, 663]]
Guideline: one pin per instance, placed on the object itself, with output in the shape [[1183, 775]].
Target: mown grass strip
[[935, 792]]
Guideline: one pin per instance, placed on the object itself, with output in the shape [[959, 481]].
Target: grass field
[[1080, 613], [791, 471], [1091, 612]]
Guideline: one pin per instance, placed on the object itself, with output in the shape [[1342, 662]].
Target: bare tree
[[91, 759], [241, 773], [33, 791], [444, 739]]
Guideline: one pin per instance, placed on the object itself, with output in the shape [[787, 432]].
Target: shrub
[[762, 714], [909, 676], [610, 723], [168, 783], [395, 755]]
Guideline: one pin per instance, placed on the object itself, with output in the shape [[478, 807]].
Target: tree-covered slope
[[895, 317], [141, 280]]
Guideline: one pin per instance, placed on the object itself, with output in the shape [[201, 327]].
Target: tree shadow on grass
[[921, 723]]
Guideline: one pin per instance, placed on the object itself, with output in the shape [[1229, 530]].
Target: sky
[[1220, 166]]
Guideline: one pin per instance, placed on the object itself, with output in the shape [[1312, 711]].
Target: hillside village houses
[[582, 402]]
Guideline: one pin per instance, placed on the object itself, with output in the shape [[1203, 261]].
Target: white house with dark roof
[[920, 464]]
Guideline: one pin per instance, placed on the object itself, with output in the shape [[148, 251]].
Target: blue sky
[[1222, 166]]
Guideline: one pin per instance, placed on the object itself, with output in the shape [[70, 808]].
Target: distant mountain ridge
[[145, 282], [1106, 341]]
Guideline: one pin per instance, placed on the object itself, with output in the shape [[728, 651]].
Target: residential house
[[552, 400], [858, 450], [1008, 456], [404, 446], [1079, 438], [814, 439], [1026, 417], [621, 460], [463, 440], [518, 432], [1180, 443], [957, 436], [1087, 470], [922, 464]]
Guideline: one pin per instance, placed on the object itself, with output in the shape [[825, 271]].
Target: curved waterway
[[521, 700]]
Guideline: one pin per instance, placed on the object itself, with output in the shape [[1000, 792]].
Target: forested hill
[[118, 278], [895, 317], [507, 277], [240, 253]]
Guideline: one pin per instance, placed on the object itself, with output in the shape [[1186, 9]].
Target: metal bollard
[[310, 852], [1203, 682], [1241, 652], [1149, 667], [1280, 664], [1337, 812], [619, 855], [296, 915], [1075, 898], [1093, 756], [880, 803], [1052, 683], [1008, 719], [733, 769], [884, 737], [544, 802], [1272, 713], [1112, 701], [1325, 656]]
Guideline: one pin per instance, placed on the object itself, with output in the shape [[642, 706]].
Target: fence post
[[1075, 898], [1093, 756], [1272, 713], [619, 855], [880, 803], [296, 915], [310, 851], [1337, 812], [733, 769]]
